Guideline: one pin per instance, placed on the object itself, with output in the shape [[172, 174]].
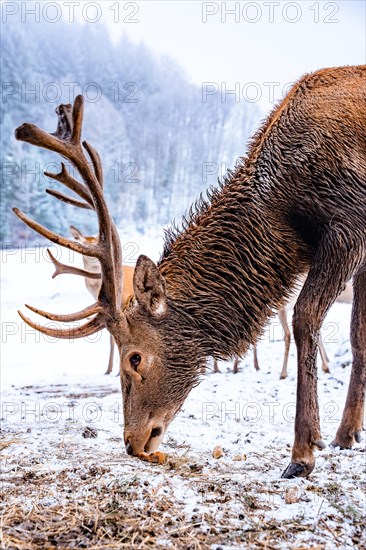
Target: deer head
[[153, 358], [155, 379], [79, 236]]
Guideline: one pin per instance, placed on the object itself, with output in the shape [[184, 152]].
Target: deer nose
[[129, 449], [147, 439]]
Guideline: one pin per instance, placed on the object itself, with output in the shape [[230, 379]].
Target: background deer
[[345, 297], [93, 275], [295, 204], [93, 285]]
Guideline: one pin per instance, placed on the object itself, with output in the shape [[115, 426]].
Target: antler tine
[[89, 328], [66, 179], [97, 163], [64, 122], [66, 139], [68, 317], [34, 135], [88, 250], [110, 248], [69, 200], [77, 119], [61, 269]]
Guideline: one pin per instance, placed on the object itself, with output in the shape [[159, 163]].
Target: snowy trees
[[160, 144]]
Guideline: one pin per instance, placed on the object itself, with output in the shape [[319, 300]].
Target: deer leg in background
[[236, 365], [331, 268], [323, 355], [282, 316], [351, 424], [111, 354], [216, 366], [255, 357]]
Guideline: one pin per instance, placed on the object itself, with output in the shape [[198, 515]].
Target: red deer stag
[[295, 204]]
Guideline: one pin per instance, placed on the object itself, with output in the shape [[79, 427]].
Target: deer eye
[[135, 360]]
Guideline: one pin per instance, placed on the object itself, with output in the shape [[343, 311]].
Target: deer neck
[[91, 264], [93, 285], [227, 272]]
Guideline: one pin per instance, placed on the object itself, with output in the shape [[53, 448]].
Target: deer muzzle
[[144, 440]]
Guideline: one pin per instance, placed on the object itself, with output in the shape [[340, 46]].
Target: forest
[[162, 142]]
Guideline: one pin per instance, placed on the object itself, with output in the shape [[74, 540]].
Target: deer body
[[93, 285], [295, 204]]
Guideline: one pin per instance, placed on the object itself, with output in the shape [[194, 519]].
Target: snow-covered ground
[[62, 489]]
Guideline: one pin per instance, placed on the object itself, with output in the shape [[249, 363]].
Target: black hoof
[[341, 447], [295, 469], [358, 437], [348, 440]]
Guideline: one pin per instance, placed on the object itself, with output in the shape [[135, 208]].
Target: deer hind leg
[[323, 355], [255, 357], [216, 366], [236, 365], [282, 316], [350, 427], [331, 268], [111, 354]]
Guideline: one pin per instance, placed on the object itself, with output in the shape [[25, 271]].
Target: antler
[[66, 142], [61, 269]]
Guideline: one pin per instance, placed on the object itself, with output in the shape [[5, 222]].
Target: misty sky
[[271, 50], [264, 45]]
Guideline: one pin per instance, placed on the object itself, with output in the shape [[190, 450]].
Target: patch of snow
[[52, 389]]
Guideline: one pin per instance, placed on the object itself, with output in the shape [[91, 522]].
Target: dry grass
[[93, 506], [60, 489], [109, 522], [4, 443]]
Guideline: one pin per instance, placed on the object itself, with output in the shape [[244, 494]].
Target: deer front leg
[[331, 269], [236, 365], [307, 425], [255, 357], [215, 366], [350, 428]]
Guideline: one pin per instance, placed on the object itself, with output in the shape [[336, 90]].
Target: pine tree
[[145, 118]]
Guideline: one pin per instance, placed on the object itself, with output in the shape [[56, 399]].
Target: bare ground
[[61, 488]]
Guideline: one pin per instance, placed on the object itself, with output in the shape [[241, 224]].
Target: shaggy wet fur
[[295, 204], [237, 255]]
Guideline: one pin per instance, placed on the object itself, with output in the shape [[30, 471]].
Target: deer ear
[[75, 233], [149, 287]]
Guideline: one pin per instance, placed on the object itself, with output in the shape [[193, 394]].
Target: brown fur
[[296, 203]]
